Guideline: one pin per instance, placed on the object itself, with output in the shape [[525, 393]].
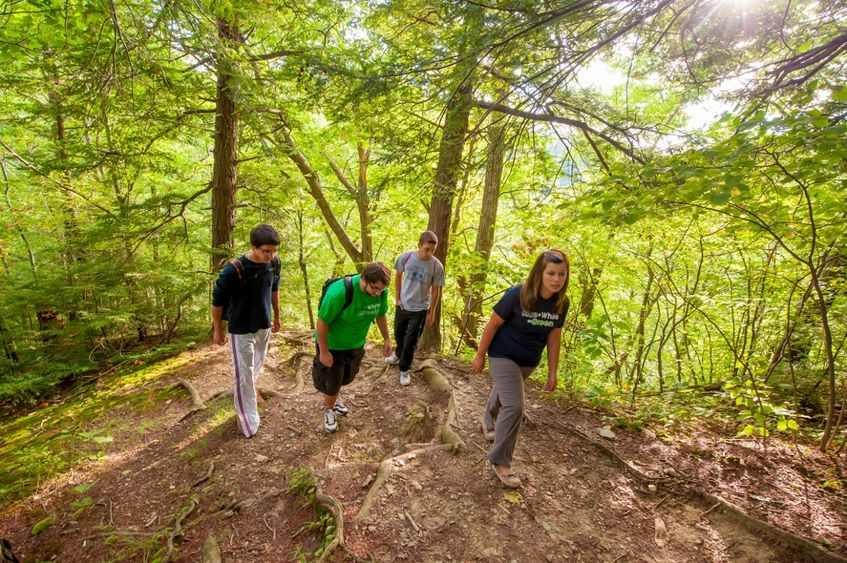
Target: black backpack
[[348, 291]]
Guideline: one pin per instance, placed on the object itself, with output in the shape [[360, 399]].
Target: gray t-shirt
[[418, 277]]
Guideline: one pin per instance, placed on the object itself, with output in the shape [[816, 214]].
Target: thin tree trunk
[[301, 260], [224, 175], [487, 223], [313, 181], [643, 314]]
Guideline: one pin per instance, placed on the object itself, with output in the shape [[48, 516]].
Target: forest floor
[[174, 475]]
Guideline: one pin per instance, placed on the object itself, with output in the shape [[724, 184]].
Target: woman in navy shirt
[[526, 319]]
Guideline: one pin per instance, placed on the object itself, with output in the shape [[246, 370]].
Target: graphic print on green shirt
[[349, 329]]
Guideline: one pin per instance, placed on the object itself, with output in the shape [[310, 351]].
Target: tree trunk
[[637, 375], [487, 223], [446, 179], [301, 260], [225, 153], [363, 204]]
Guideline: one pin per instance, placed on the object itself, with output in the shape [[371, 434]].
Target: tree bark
[[487, 222], [224, 175], [446, 179]]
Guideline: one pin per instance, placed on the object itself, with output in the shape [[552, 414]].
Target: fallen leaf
[[513, 496]]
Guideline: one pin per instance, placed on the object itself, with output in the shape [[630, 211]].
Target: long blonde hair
[[531, 288]]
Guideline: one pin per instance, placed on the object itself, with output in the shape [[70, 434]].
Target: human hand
[[325, 358], [276, 326], [218, 337], [551, 384], [478, 363], [386, 349], [430, 318]]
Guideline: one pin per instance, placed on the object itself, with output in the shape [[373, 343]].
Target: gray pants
[[505, 406]]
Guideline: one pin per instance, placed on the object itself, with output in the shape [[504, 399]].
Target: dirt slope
[[173, 478]]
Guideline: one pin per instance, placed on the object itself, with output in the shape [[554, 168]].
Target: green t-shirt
[[348, 330]]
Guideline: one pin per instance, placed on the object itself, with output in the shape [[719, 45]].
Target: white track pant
[[248, 356]]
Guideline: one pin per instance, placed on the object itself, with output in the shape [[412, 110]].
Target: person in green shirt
[[341, 334]]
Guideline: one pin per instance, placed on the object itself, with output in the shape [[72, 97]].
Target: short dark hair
[[376, 272], [428, 236], [263, 234]]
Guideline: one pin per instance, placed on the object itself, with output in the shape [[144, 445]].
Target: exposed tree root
[[177, 531], [445, 432], [297, 363], [386, 468], [206, 476], [804, 545], [211, 551], [633, 471], [197, 402], [337, 510]]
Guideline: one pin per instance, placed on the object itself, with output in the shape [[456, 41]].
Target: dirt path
[[171, 479]]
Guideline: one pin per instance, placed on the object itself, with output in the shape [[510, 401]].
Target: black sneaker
[[340, 408]]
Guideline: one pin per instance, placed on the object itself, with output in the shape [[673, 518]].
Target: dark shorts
[[345, 366]]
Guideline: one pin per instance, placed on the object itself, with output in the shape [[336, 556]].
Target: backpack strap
[[276, 264], [348, 292], [435, 269], [239, 270]]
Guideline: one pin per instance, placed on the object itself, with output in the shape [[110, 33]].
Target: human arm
[[491, 328], [435, 295], [217, 325], [323, 343], [275, 304], [554, 345], [382, 324]]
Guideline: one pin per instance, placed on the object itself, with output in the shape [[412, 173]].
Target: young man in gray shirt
[[417, 289]]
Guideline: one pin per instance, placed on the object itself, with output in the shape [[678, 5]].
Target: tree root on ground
[[299, 379], [445, 432], [803, 545], [199, 405], [206, 476], [211, 552], [197, 402], [177, 531], [386, 468]]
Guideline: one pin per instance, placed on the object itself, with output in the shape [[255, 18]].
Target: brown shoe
[[509, 480], [486, 433]]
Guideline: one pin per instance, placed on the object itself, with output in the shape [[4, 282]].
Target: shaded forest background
[[689, 156]]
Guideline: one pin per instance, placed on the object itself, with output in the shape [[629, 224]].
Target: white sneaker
[[330, 424], [392, 360], [404, 378], [340, 408]]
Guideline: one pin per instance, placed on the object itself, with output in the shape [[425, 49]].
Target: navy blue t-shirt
[[523, 336], [248, 302]]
